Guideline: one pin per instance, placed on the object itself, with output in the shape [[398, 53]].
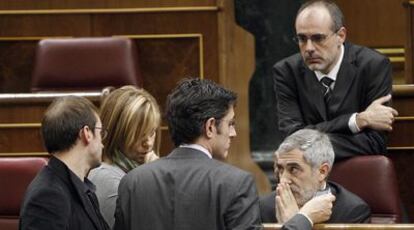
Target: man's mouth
[[313, 60]]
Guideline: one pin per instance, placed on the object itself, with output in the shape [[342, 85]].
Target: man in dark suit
[[303, 162], [334, 86], [60, 196]]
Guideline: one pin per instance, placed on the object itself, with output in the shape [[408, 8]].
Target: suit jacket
[[187, 190], [364, 76], [297, 222], [347, 207], [55, 200]]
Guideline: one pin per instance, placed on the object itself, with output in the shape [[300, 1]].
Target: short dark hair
[[191, 104], [336, 14], [63, 120]]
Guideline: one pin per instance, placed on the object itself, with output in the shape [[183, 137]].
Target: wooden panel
[[62, 4], [401, 144], [170, 24], [401, 136], [21, 140], [16, 65], [383, 22], [409, 44], [20, 118], [178, 57], [44, 25], [166, 143]]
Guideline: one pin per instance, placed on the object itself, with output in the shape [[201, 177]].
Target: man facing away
[[190, 189], [60, 196], [303, 162], [334, 86]]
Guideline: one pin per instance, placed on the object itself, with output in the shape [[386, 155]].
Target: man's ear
[[85, 135], [341, 34], [324, 172], [210, 127]]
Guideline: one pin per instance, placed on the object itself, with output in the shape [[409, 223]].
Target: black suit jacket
[[54, 200], [364, 76], [347, 207], [187, 190]]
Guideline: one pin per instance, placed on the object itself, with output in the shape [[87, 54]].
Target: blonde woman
[[131, 117]]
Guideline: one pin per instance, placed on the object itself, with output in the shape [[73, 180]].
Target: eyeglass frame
[[104, 132], [316, 39], [230, 122]]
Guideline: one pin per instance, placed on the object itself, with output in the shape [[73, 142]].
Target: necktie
[[327, 92], [326, 83]]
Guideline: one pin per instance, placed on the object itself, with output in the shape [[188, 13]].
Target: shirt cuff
[[307, 217], [353, 125]]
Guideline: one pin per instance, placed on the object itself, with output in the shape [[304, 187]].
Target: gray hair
[[315, 145], [336, 14]]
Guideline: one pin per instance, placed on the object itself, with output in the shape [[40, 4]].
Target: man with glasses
[[61, 196], [334, 86]]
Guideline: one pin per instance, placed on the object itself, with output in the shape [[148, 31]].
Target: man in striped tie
[[334, 86]]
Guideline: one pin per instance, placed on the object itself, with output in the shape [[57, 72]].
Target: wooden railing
[[348, 226]]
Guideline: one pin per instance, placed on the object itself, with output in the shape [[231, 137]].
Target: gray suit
[[347, 207], [187, 190]]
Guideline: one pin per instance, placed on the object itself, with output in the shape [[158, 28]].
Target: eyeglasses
[[315, 38], [104, 132]]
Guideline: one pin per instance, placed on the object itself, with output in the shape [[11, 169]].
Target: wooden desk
[[348, 226], [401, 144]]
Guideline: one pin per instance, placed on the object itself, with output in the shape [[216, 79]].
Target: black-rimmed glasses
[[315, 38], [104, 132]]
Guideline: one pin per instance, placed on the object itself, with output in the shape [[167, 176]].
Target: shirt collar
[[334, 72], [197, 147], [85, 185]]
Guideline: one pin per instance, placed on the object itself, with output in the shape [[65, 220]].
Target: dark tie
[[327, 92], [326, 83]]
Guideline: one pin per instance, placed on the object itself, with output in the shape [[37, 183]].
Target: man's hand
[[319, 209], [285, 203], [377, 116]]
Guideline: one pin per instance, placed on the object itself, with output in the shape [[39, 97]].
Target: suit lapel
[[313, 92], [344, 80], [87, 205]]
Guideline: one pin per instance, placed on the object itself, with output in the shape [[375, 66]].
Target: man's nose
[[309, 47], [233, 132], [284, 178]]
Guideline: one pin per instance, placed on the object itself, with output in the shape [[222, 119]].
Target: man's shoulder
[[345, 198], [363, 53], [46, 182]]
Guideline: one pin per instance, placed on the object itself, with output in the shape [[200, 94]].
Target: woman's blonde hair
[[130, 115]]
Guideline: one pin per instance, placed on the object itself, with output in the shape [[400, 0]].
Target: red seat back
[[373, 179], [15, 175]]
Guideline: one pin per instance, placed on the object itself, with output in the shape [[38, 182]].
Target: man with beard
[[334, 86], [303, 162]]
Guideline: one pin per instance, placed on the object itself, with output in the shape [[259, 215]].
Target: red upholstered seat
[[15, 175], [76, 64], [373, 179]]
